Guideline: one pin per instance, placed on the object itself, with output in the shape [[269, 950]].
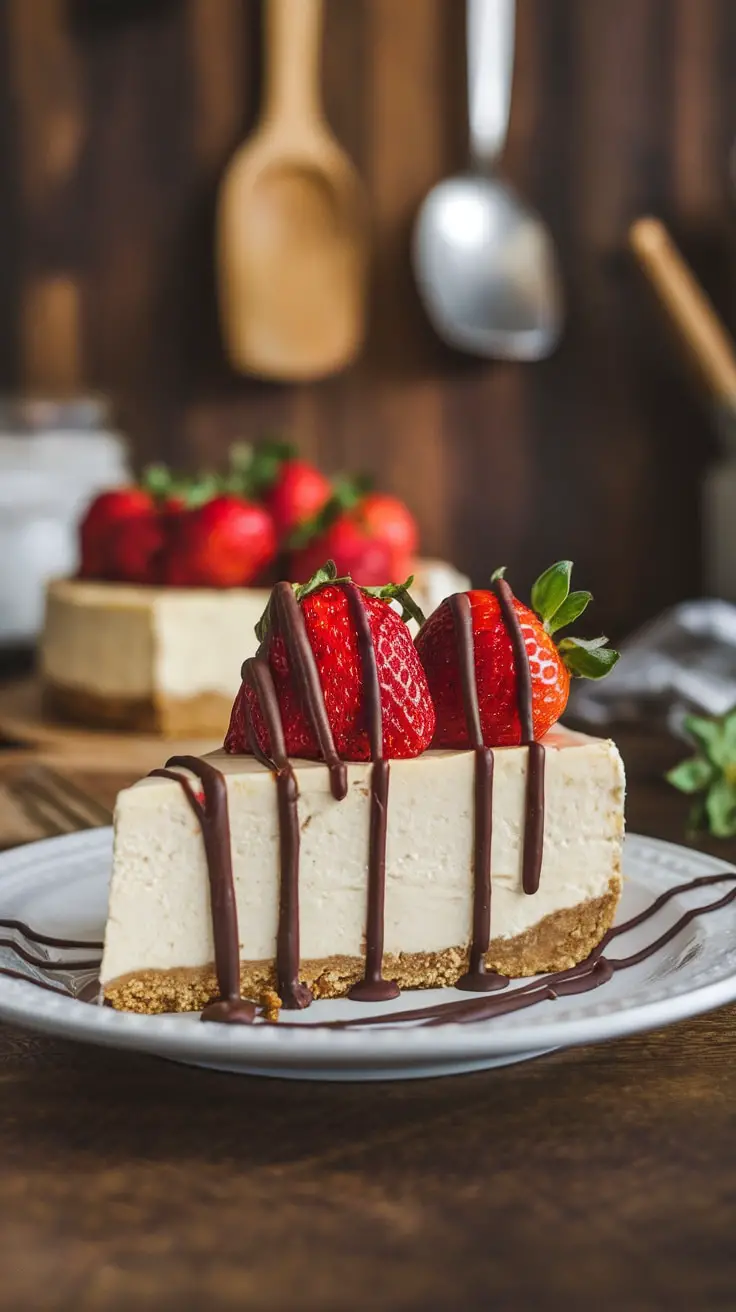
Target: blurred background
[[117, 119]]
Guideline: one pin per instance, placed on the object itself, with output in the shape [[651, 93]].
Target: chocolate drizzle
[[531, 867], [212, 814], [505, 599], [373, 987], [589, 974], [288, 623], [477, 978], [257, 675], [534, 810]]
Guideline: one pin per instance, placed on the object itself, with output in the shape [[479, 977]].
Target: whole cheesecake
[[341, 845], [161, 659]]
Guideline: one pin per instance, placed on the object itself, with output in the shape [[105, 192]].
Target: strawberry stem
[[347, 493], [557, 606], [326, 576]]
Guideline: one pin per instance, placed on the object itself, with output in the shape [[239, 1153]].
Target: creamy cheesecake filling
[[159, 914]]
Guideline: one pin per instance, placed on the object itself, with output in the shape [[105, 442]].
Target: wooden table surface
[[605, 1175]]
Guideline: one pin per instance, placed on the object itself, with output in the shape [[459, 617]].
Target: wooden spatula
[[292, 231]]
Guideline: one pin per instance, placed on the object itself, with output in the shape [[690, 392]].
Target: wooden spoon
[[292, 234], [705, 340]]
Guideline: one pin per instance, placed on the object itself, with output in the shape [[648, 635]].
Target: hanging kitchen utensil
[[484, 261], [292, 239], [709, 348]]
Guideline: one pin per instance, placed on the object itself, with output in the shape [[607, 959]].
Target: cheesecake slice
[[159, 945], [163, 660]]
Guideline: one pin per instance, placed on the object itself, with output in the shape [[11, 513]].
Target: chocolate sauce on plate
[[596, 970]]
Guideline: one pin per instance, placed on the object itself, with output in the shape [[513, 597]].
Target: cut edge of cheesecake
[[559, 941]]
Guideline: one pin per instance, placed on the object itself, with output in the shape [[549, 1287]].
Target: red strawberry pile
[[420, 685], [231, 531]]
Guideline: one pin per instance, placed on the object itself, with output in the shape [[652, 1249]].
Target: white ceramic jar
[[54, 457]]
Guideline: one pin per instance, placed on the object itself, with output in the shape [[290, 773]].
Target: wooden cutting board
[[22, 721]]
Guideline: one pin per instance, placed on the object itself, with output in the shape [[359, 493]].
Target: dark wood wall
[[116, 120]]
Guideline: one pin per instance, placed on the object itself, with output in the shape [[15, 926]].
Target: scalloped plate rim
[[385, 1052]]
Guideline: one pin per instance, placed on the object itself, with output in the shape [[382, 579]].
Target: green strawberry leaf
[[499, 573], [716, 737], [588, 658], [551, 589], [729, 734], [322, 577], [327, 574], [347, 493], [349, 489], [691, 776], [192, 490], [268, 457], [710, 773], [157, 479], [570, 610], [314, 528], [410, 610], [721, 808], [708, 735], [253, 470]]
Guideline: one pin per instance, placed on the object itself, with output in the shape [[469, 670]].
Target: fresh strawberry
[[406, 707], [292, 489], [550, 665], [135, 548], [297, 495], [97, 529], [366, 559], [223, 544], [368, 535], [388, 519]]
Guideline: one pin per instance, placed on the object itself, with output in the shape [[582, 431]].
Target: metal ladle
[[484, 261]]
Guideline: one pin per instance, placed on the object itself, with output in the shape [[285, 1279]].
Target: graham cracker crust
[[557, 942], [204, 716]]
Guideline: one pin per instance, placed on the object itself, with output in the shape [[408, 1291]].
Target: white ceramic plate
[[60, 887]]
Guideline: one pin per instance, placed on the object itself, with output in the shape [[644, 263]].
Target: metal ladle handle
[[490, 47]]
